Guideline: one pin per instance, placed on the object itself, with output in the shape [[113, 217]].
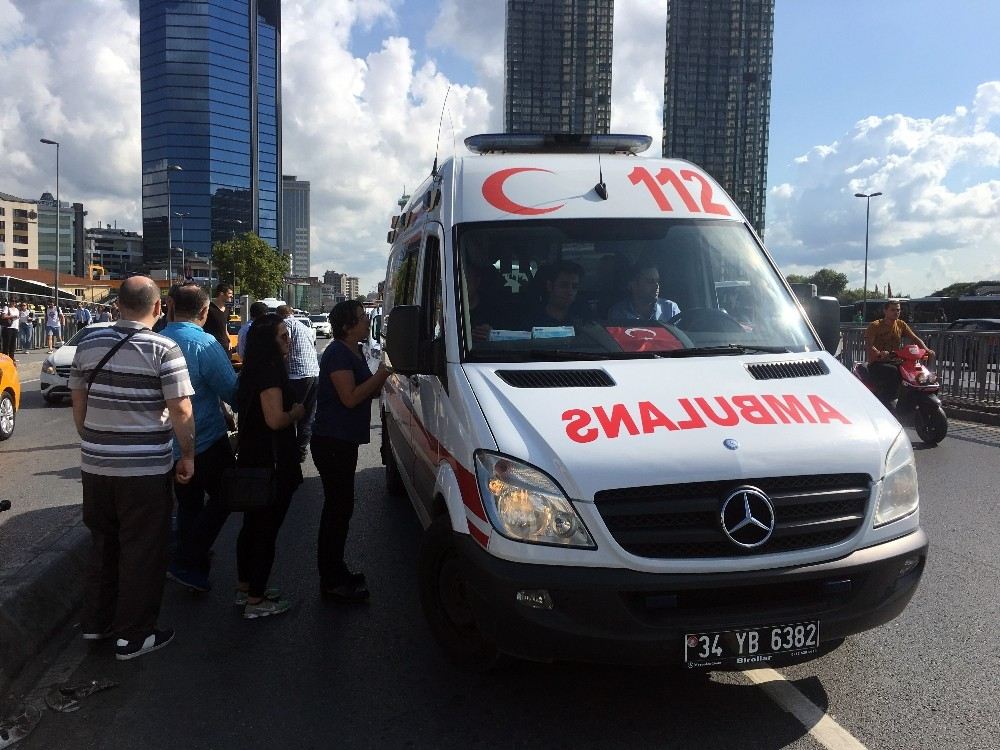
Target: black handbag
[[247, 488]]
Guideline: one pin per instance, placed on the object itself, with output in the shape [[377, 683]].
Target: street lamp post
[[170, 236], [182, 215], [868, 205], [47, 142], [238, 222]]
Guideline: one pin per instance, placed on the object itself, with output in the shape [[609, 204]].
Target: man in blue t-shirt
[[644, 301], [198, 522]]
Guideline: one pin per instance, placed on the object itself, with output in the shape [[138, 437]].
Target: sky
[[896, 96]]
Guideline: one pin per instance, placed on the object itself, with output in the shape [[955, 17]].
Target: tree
[[829, 283], [963, 288], [256, 267]]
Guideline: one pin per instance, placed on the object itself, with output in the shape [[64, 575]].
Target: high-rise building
[[211, 105], [48, 244], [717, 93], [295, 222], [557, 66], [116, 251], [18, 232]]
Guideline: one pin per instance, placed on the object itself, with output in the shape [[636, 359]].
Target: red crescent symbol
[[494, 195], [631, 333]]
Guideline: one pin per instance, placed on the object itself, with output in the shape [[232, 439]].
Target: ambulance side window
[[433, 307], [405, 278]]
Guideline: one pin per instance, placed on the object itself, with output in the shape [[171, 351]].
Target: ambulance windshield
[[600, 288]]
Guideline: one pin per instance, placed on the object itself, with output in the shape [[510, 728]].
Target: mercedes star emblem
[[747, 517]]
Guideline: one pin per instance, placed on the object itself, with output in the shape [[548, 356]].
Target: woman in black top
[[267, 415], [343, 416]]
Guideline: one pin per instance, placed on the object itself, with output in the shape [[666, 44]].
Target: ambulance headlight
[[523, 503], [899, 496]]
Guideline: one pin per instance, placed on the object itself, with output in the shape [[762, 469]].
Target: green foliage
[[829, 283], [259, 268], [962, 288]]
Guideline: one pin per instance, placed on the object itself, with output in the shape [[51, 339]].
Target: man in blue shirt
[[644, 301], [256, 310], [198, 522], [303, 371]]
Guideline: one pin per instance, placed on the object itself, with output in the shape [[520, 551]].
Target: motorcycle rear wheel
[[931, 424]]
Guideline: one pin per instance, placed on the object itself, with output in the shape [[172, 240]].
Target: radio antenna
[[600, 188], [434, 169]]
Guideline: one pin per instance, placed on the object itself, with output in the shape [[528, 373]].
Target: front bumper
[[627, 617], [54, 386]]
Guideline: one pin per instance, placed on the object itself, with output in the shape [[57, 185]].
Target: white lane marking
[[824, 729], [33, 380]]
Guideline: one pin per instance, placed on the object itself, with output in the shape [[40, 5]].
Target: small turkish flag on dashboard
[[639, 338]]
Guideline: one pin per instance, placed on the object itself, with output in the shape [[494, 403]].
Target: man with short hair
[[54, 319], [26, 326], [214, 382], [303, 374], [131, 392], [82, 316], [882, 338], [218, 318], [644, 301]]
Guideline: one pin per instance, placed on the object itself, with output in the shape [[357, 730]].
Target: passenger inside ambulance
[[644, 301], [557, 303]]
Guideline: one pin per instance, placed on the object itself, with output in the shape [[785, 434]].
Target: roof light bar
[[557, 143]]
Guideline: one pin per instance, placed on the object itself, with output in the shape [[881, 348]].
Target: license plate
[[750, 646]]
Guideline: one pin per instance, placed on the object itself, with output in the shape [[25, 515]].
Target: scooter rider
[[882, 339]]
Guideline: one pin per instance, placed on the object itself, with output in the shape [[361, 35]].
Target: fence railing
[[967, 363]]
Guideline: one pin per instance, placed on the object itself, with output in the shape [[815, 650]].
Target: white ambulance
[[623, 437]]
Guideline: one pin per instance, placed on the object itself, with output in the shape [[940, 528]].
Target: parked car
[[10, 396], [54, 377], [304, 320], [321, 322]]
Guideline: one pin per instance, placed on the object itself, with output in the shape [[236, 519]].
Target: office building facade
[[48, 243], [557, 66], [717, 93], [211, 105], [295, 223], [116, 252], [18, 232]]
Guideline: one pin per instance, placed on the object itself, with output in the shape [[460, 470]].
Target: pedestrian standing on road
[[10, 319], [54, 320], [130, 391], [214, 382], [257, 309], [218, 318], [303, 370], [346, 389], [105, 315], [82, 317], [268, 413], [26, 326]]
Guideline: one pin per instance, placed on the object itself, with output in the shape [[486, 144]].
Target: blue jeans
[[25, 334]]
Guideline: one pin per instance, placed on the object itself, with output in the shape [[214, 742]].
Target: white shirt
[[15, 315]]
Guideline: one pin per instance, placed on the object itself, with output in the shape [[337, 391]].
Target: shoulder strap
[[110, 354]]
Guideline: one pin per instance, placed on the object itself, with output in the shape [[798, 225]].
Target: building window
[[20, 252], [21, 239], [20, 264]]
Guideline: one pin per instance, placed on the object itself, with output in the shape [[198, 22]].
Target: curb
[[971, 415], [38, 598]]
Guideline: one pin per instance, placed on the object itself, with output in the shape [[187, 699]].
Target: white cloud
[[637, 70], [938, 220]]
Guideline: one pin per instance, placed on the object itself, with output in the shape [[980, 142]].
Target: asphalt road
[[327, 675]]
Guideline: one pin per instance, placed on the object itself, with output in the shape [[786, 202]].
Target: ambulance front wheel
[[445, 597]]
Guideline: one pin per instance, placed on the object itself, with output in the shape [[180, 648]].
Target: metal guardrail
[[967, 363]]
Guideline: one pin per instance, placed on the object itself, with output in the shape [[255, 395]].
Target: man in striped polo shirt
[[127, 407]]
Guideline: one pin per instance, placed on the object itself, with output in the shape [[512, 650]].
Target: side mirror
[[402, 342], [824, 314], [376, 328]]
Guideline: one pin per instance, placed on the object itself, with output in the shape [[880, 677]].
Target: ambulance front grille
[[682, 521], [803, 368]]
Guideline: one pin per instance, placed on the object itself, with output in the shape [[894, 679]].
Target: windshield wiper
[[709, 351]]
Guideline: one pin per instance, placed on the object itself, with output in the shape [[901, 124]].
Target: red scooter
[[916, 398]]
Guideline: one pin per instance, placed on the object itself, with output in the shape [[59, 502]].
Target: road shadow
[[71, 472], [24, 535]]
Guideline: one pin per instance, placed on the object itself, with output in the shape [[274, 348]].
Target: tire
[[8, 416], [445, 601], [931, 424], [50, 399]]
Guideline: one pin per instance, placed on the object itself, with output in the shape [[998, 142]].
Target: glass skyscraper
[[211, 105], [717, 93], [557, 66], [295, 223]]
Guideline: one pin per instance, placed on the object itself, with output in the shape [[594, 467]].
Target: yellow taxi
[[233, 329], [10, 396]]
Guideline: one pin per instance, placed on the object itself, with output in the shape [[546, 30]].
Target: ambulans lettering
[[622, 420], [493, 192], [668, 177]]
